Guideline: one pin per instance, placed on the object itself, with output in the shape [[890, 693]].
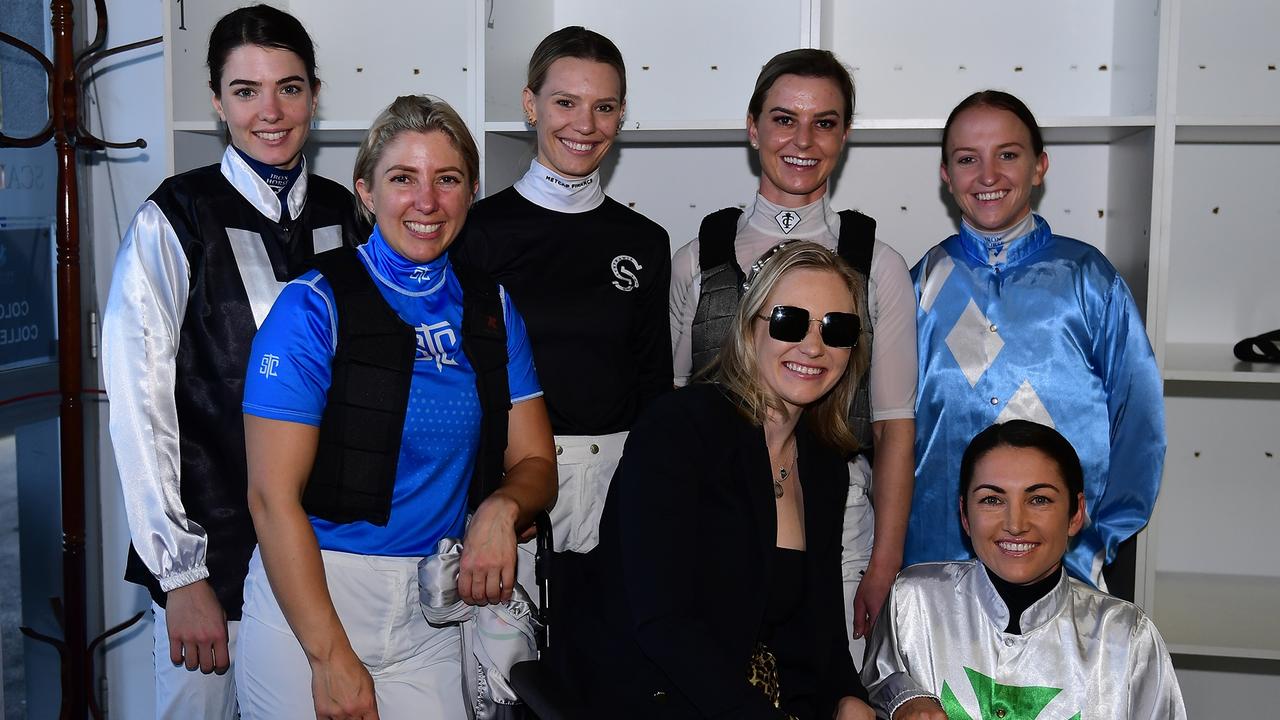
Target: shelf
[[1218, 615], [866, 131], [1207, 129], [1211, 362]]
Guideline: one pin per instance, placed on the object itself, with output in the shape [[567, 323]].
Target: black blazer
[[683, 570]]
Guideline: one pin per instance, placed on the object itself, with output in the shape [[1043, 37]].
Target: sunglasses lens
[[841, 329], [788, 323]]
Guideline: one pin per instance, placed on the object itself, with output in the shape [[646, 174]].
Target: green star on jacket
[[999, 702]]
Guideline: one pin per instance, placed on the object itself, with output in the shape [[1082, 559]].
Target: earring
[[755, 145], [528, 118]]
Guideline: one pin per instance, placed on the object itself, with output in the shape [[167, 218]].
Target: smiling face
[[800, 373], [576, 113], [991, 167], [267, 102], [800, 134], [419, 194], [1017, 513]]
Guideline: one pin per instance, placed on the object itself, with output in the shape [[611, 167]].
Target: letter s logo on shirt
[[624, 267]]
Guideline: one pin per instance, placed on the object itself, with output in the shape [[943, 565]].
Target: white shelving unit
[[1213, 576], [1162, 119]]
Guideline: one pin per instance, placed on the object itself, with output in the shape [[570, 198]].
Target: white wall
[[126, 101]]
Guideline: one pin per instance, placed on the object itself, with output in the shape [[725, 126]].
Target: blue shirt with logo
[[289, 376]]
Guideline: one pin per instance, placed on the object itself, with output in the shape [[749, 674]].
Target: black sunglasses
[[788, 323]]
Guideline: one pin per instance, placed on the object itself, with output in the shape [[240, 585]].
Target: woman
[[1012, 635], [719, 551], [196, 273], [1016, 322], [589, 274], [378, 402], [797, 120]]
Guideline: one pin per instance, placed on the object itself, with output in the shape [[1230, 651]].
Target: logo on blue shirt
[[267, 368], [420, 274], [435, 342]]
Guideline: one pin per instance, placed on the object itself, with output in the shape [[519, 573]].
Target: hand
[[197, 628], [343, 689], [488, 566], [872, 591], [851, 708], [921, 708]]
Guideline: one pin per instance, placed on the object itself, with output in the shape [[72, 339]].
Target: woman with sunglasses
[[798, 119], [1017, 322], [718, 568], [589, 274]]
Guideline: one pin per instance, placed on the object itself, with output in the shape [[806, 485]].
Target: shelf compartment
[[1228, 58], [1097, 57], [1218, 615], [1210, 362], [1223, 250]]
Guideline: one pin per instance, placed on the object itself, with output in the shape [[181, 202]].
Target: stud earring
[[755, 146], [531, 120]]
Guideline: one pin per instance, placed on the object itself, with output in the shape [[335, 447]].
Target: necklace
[[784, 472]]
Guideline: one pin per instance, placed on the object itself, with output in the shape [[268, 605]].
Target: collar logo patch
[[421, 274], [787, 220], [999, 702], [624, 268]]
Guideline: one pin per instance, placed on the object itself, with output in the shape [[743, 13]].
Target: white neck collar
[[548, 189], [806, 222]]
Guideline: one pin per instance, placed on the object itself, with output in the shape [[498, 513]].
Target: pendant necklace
[[784, 472]]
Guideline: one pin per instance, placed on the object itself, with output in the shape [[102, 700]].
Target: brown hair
[[575, 41], [805, 62]]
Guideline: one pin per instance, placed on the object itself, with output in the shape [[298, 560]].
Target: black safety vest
[[212, 355], [363, 421], [721, 289]]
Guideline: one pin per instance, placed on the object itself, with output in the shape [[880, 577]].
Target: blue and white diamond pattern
[[974, 343]]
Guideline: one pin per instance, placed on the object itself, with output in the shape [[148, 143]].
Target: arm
[[1135, 406], [487, 568], [892, 483], [652, 334], [893, 396], [1154, 693], [887, 672], [683, 301], [141, 326], [280, 455]]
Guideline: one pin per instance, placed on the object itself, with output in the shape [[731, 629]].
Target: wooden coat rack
[[67, 72]]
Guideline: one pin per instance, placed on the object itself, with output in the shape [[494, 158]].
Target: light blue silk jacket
[[1042, 328]]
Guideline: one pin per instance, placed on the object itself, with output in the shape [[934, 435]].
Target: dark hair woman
[[589, 273], [1011, 629], [798, 119], [199, 267], [1017, 322]]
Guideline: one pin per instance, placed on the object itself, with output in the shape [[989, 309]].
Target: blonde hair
[[413, 113], [737, 368]]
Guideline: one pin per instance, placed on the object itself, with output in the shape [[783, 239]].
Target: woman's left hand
[[487, 571], [851, 708]]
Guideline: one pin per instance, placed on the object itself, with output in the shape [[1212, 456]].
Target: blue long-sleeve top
[[1042, 328]]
